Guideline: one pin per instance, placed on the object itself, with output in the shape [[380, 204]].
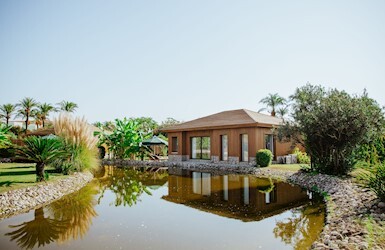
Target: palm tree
[[37, 115], [6, 111], [41, 151], [45, 109], [272, 101], [26, 107], [66, 106], [283, 111]]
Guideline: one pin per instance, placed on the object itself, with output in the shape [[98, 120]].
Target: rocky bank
[[22, 200]]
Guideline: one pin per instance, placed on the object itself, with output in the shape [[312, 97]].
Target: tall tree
[[6, 111], [67, 106], [45, 109], [26, 107], [41, 151], [331, 124], [37, 115], [272, 101], [283, 111]]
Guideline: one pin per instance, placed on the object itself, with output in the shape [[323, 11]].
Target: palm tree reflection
[[77, 210], [71, 216], [39, 231]]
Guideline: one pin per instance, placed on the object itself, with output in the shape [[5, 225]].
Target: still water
[[137, 209]]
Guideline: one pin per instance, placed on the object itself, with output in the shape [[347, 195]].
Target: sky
[[186, 59]]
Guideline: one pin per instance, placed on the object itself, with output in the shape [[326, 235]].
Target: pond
[[138, 209]]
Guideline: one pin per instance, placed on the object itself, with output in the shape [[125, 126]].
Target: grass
[[21, 175], [285, 167], [376, 233]]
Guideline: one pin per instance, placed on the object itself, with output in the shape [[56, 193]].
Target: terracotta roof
[[228, 119]]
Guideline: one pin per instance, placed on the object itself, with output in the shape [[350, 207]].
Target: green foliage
[[41, 151], [372, 152], [44, 110], [169, 122], [6, 111], [267, 188], [146, 125], [67, 106], [5, 136], [330, 125], [27, 106], [373, 176], [264, 157], [302, 157], [125, 140], [376, 233], [273, 101], [127, 186], [79, 142]]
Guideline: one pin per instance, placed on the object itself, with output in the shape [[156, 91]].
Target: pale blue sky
[[186, 59]]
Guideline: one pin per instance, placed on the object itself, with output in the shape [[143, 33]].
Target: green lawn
[[287, 167], [19, 175]]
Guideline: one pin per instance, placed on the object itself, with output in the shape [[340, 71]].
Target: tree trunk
[[43, 123], [273, 113], [39, 213], [40, 172], [7, 121], [26, 124]]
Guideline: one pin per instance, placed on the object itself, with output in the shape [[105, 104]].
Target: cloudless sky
[[186, 59]]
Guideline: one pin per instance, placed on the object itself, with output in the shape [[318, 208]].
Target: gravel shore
[[22, 200]]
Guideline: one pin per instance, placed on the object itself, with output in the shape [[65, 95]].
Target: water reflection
[[278, 215], [129, 184], [303, 228], [39, 231], [76, 211], [70, 218], [63, 220], [242, 197]]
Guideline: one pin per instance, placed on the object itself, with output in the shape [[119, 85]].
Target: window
[[246, 196], [271, 196], [225, 188], [201, 183], [200, 148], [269, 142], [245, 147], [174, 144], [224, 148]]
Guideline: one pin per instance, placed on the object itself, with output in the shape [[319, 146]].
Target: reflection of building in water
[[243, 197]]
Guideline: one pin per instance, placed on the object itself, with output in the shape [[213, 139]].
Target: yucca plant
[[41, 151], [79, 141]]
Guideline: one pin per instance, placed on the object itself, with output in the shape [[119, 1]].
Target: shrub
[[302, 157], [79, 142], [330, 124], [42, 152], [264, 157], [374, 178], [377, 181]]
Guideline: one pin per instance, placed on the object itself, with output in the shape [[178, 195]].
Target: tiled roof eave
[[246, 125]]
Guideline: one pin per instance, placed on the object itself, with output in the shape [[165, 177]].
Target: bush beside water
[[264, 157]]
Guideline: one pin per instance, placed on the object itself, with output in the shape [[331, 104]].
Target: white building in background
[[21, 124]]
